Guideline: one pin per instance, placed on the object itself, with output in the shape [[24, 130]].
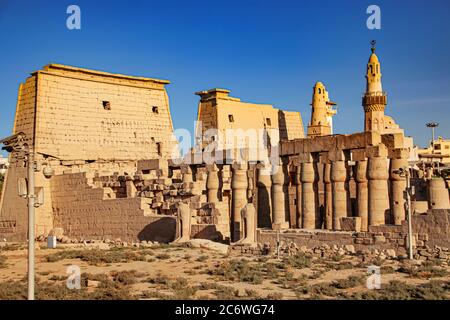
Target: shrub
[[350, 282], [239, 270], [299, 260], [96, 256], [163, 256], [274, 296]]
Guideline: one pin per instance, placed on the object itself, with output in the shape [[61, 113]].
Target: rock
[[303, 249], [403, 256], [57, 232], [148, 257], [379, 239], [92, 284], [391, 253], [208, 244], [350, 248], [442, 256], [425, 253], [65, 239], [103, 246]]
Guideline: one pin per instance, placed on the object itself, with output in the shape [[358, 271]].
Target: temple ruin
[[109, 138]]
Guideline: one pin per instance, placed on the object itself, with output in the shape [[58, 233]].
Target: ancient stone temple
[[221, 118], [85, 123], [109, 139]]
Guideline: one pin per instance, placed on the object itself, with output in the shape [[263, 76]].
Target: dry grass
[[238, 270], [98, 257]]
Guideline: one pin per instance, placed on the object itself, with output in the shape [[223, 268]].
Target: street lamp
[[404, 172], [17, 146], [432, 125]]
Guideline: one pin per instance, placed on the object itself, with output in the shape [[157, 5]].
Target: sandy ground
[[197, 267]]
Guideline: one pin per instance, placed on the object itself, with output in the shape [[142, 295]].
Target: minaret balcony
[[379, 98]]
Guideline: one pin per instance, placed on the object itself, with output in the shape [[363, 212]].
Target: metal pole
[[408, 199], [31, 236]]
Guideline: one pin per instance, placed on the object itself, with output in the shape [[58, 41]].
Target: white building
[[3, 164]]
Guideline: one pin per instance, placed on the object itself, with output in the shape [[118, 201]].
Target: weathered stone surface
[[210, 245]]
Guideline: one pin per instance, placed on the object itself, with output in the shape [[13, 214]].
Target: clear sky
[[263, 51]]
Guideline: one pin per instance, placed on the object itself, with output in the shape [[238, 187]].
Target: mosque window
[[155, 109], [437, 147], [268, 122], [230, 118]]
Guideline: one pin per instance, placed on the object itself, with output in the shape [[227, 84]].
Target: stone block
[[377, 151], [379, 239], [351, 224], [393, 140]]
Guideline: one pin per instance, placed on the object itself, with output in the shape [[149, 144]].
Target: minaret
[[374, 100], [321, 123]]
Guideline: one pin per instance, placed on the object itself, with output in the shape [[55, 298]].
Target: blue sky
[[263, 51]]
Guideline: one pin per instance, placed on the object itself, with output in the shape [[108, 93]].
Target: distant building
[[438, 151], [3, 164]]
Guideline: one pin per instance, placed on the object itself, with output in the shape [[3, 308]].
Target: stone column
[[212, 184], [308, 196], [131, 189], [239, 194], [184, 223], [248, 215], [338, 179], [298, 181], [398, 187], [362, 196], [264, 196], [378, 190], [279, 186], [328, 203], [438, 194]]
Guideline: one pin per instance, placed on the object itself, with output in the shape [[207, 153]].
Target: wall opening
[[158, 148], [106, 105]]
